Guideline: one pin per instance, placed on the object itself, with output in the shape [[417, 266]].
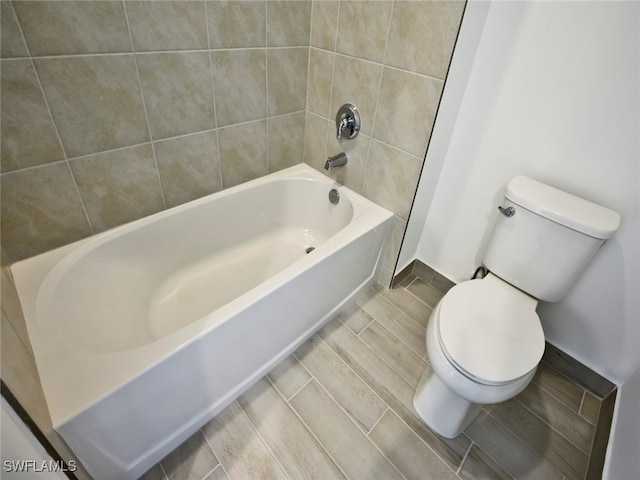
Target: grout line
[[55, 127], [588, 454], [464, 458], [213, 97], [375, 424], [164, 472], [144, 107], [261, 438], [320, 444], [309, 380]]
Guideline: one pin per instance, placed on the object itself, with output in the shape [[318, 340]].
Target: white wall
[[552, 93]]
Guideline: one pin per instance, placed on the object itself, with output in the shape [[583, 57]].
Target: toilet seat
[[490, 331]]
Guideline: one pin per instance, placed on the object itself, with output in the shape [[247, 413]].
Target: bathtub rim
[[30, 274]]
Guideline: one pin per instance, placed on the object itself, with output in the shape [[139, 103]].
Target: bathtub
[[145, 332]]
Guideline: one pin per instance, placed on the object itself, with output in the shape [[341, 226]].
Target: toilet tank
[[549, 240]]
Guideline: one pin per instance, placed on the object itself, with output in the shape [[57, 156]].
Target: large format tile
[[400, 120], [11, 41], [286, 140], [478, 465], [391, 388], [409, 332], [28, 134], [319, 82], [408, 364], [353, 394], [560, 417], [389, 173], [289, 376], [288, 23], [287, 79], [189, 167], [41, 210], [346, 444], [415, 24], [407, 452], [296, 449], [509, 451], [95, 101], [74, 27], [193, 460], [243, 152], [234, 24], [541, 438], [324, 24], [363, 29], [240, 450], [168, 25], [239, 82], [118, 186], [177, 92]]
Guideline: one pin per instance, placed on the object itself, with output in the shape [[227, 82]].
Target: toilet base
[[442, 410]]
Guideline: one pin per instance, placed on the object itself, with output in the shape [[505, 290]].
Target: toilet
[[484, 338]]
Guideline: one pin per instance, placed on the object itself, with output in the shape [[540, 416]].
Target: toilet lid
[[490, 330]]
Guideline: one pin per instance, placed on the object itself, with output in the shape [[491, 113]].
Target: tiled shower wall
[[115, 110], [389, 58]]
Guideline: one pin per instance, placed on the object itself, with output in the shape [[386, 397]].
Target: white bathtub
[[145, 332]]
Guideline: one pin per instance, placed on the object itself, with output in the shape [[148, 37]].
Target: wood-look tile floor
[[342, 407]]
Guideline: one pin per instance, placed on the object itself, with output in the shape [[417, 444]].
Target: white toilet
[[484, 338]]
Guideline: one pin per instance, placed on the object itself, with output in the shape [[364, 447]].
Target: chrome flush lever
[[507, 212]]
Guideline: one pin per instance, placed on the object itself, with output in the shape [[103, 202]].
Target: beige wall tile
[[422, 35], [406, 110], [28, 134], [287, 71], [288, 23], [243, 152], [167, 25], [345, 442], [95, 101], [177, 92], [189, 167], [315, 141], [391, 178], [11, 41], [286, 140], [41, 210], [118, 186], [59, 28], [234, 24], [324, 24], [357, 82], [363, 29], [239, 81], [319, 82]]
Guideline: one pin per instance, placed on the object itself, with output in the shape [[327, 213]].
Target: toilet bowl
[[484, 338], [484, 342]]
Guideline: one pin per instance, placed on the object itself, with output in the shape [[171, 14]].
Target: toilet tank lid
[[562, 207]]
